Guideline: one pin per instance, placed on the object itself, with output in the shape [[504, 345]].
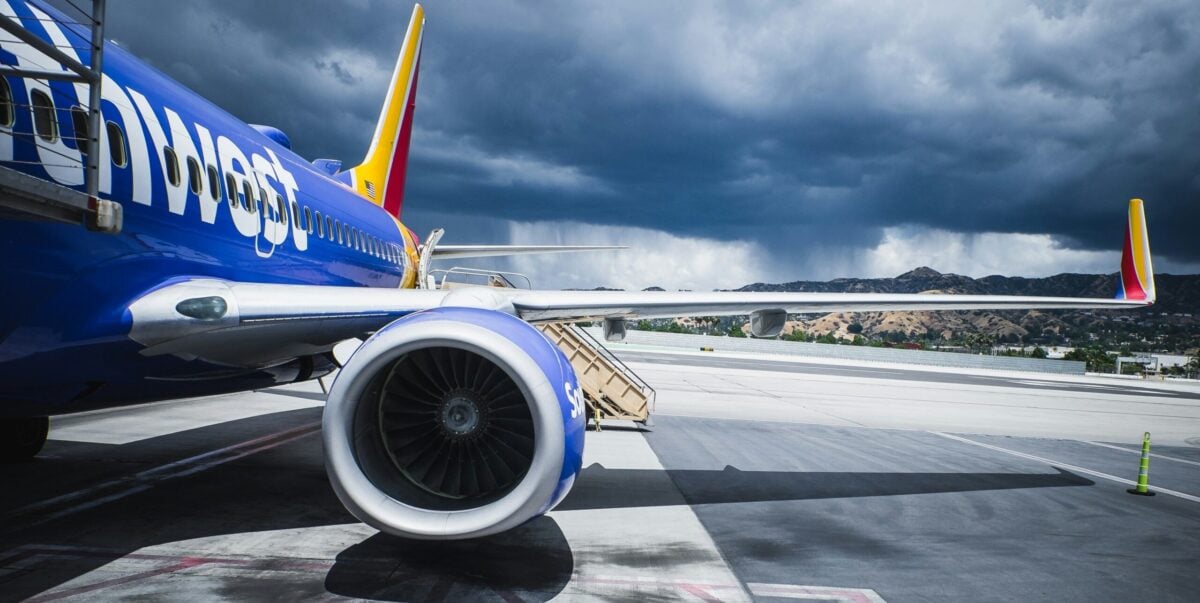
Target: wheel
[[21, 439]]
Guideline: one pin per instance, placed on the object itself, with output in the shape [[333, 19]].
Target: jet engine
[[453, 423]]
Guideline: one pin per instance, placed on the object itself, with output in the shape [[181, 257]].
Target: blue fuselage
[[64, 323]]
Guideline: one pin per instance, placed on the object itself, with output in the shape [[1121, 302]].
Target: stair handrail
[[504, 277], [648, 391]]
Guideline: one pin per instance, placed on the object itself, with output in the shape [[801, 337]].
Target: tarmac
[[763, 479]]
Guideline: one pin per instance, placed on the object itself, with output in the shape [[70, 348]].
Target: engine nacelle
[[454, 423]]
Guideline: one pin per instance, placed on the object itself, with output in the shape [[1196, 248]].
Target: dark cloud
[[798, 125]]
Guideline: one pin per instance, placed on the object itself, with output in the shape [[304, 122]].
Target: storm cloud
[[787, 140]]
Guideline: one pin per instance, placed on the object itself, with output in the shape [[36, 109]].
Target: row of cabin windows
[[45, 125], [324, 227], [304, 218], [45, 122]]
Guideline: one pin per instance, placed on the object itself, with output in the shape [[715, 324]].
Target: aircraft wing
[[253, 324], [551, 306]]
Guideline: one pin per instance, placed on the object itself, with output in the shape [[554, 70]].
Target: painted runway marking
[[1153, 454], [1068, 467], [708, 576], [139, 482], [815, 593]]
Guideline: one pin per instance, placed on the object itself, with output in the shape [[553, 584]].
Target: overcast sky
[[738, 142]]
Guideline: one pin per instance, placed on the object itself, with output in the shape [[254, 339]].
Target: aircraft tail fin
[[380, 177], [1137, 271]]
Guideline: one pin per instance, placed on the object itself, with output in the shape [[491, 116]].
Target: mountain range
[[1171, 325]]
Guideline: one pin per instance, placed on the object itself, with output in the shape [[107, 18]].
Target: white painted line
[[601, 571], [1069, 467], [1139, 452], [815, 593]]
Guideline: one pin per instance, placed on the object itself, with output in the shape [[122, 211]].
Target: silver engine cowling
[[453, 423]]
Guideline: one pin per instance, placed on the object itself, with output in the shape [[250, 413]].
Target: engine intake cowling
[[454, 423]]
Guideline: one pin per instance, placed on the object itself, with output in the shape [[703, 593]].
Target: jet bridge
[[611, 388]]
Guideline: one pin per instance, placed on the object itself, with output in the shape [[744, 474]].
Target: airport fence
[[847, 352]]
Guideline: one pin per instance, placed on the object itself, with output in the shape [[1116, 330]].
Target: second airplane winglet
[[1137, 270]]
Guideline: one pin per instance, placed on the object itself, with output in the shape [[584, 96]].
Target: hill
[[1171, 325]]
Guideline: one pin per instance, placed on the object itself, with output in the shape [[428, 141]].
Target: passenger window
[[296, 216], [214, 183], [337, 227], [231, 190], [248, 202], [329, 227], [7, 116], [172, 164], [320, 225], [195, 180], [116, 144], [44, 121], [281, 207], [264, 202], [308, 220], [79, 121]]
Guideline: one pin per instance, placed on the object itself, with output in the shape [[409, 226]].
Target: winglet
[[380, 177], [1137, 272]]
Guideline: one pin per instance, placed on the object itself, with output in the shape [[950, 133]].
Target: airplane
[[215, 259]]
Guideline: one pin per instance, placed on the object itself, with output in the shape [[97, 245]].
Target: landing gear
[[21, 439]]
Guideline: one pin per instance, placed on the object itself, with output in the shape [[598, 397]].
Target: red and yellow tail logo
[[380, 177], [1137, 272]]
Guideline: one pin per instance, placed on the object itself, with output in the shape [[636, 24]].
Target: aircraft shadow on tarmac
[[601, 488], [286, 488], [531, 563]]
